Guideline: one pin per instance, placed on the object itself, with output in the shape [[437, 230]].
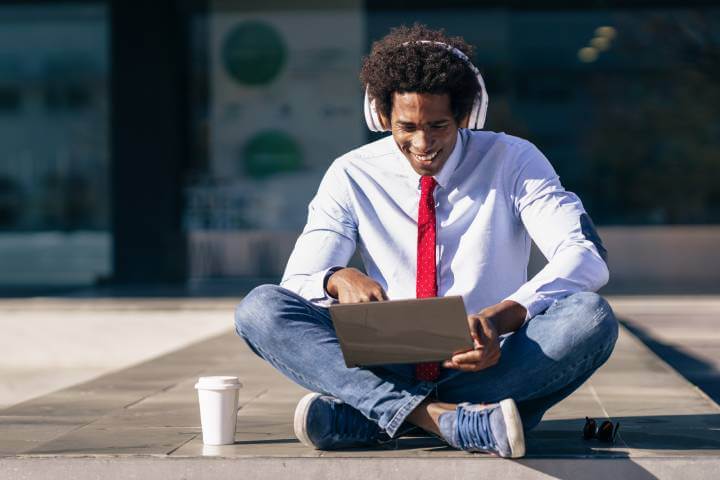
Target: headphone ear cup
[[473, 122], [372, 118], [478, 113]]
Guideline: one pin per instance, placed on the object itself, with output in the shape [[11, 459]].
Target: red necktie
[[426, 277]]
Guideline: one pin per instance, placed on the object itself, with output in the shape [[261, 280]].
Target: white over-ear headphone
[[479, 107]]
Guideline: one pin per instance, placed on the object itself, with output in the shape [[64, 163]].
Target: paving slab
[[682, 330], [143, 421], [53, 343]]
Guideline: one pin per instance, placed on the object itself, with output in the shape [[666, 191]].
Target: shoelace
[[473, 428], [351, 424]]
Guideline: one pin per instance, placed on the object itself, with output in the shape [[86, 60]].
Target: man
[[436, 209]]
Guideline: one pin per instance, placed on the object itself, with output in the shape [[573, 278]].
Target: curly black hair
[[398, 63]]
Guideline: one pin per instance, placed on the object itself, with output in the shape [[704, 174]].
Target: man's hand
[[485, 329], [350, 285]]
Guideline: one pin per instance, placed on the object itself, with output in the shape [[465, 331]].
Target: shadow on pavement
[[686, 434], [695, 370], [682, 433]]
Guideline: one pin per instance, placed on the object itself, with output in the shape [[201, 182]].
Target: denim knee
[[252, 312], [594, 318]]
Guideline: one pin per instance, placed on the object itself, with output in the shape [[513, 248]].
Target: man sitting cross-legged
[[437, 208]]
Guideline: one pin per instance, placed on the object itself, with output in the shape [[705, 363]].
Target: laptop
[[401, 331]]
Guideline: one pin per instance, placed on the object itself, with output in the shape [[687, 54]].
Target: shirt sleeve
[[327, 242], [561, 228]]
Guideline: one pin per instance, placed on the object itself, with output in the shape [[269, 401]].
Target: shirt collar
[[443, 176]]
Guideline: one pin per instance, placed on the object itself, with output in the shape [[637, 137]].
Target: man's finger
[[481, 355], [472, 326], [469, 367], [475, 339], [484, 340], [473, 356], [379, 295], [464, 350]]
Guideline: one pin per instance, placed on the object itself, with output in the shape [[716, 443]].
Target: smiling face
[[424, 129]]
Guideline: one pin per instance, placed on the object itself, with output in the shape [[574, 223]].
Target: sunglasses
[[604, 433]]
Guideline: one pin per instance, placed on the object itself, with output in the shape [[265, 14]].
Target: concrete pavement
[[53, 343], [143, 421], [683, 330]]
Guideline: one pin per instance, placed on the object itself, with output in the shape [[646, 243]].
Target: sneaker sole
[[300, 420], [516, 437]]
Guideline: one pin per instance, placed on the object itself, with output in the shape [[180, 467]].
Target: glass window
[[54, 201], [283, 101], [623, 102]]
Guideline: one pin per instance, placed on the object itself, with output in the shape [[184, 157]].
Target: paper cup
[[218, 397]]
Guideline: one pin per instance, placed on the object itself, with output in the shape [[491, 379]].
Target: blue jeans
[[540, 364]]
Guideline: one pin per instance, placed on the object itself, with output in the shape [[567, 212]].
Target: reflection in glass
[[623, 102], [54, 204], [283, 102]]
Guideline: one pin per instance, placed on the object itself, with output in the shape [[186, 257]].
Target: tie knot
[[427, 184]]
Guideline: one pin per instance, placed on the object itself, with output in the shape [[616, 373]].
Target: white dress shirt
[[494, 194]]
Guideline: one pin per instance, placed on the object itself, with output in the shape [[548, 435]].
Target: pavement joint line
[[597, 399], [182, 444], [252, 399], [605, 412], [139, 400]]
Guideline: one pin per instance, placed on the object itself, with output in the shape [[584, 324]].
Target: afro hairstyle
[[398, 63]]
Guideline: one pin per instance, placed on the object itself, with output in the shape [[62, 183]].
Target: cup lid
[[219, 382]]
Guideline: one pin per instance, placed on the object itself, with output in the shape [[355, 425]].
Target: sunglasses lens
[[589, 429]]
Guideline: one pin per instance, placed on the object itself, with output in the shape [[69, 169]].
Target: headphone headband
[[478, 112]]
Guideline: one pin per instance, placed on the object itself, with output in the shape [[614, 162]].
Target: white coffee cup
[[218, 397]]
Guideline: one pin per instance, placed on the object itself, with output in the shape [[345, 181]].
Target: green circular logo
[[254, 53], [269, 152]]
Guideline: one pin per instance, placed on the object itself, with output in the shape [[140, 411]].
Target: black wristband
[[327, 277]]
